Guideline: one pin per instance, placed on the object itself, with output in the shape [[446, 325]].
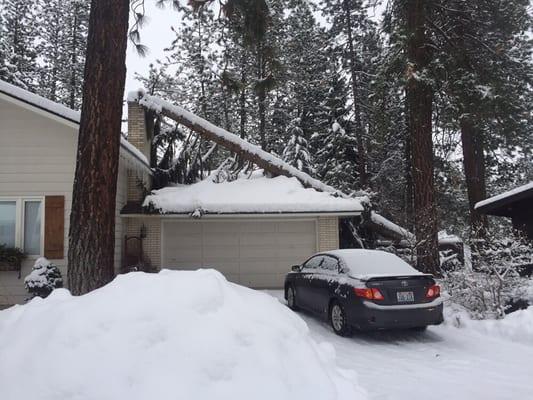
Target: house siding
[[38, 158]]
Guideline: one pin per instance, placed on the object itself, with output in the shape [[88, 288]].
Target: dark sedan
[[365, 290]]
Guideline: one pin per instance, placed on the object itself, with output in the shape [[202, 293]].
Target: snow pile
[[258, 194], [173, 335], [365, 264], [516, 327]]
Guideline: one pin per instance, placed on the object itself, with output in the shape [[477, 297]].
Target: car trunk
[[402, 289]]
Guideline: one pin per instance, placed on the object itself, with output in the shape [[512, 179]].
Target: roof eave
[[500, 207], [187, 215]]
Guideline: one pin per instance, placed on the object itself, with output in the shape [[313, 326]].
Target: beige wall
[[37, 158]]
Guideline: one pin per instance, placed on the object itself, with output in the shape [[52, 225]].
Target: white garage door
[[250, 252]]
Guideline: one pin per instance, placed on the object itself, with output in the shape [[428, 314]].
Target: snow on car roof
[[130, 151], [254, 194], [366, 264]]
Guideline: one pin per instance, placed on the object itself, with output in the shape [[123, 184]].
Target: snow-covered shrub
[[490, 282], [43, 278]]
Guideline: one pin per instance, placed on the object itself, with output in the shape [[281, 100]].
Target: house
[[252, 230], [516, 204], [38, 142]]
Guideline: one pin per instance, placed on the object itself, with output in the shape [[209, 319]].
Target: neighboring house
[[516, 204], [38, 142], [252, 230]]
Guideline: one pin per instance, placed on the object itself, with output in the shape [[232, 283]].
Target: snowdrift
[[172, 335]]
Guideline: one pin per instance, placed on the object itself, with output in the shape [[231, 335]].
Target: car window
[[313, 263], [330, 264]]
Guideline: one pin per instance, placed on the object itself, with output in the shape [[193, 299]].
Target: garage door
[[252, 253]]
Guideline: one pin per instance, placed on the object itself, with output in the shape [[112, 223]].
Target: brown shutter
[[54, 226]]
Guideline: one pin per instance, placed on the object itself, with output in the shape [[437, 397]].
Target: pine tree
[[296, 152], [18, 36], [334, 144], [349, 24], [484, 59]]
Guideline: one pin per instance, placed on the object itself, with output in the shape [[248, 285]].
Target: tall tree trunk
[[408, 192], [92, 219], [474, 168], [261, 96], [73, 57], [361, 151], [242, 98], [420, 102]]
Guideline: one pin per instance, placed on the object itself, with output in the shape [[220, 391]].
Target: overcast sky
[[156, 34]]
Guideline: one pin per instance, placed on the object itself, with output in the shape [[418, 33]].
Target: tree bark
[[261, 96], [92, 219], [474, 168], [361, 151], [420, 103]]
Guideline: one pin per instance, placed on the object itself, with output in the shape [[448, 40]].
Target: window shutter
[[54, 227]]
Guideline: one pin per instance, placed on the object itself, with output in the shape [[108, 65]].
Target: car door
[[304, 285], [327, 282]]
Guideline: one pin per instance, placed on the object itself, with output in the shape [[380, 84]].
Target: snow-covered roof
[[59, 110], [505, 195], [254, 195]]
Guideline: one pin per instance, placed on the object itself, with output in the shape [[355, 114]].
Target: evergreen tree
[[484, 66], [18, 36], [296, 152], [335, 144]]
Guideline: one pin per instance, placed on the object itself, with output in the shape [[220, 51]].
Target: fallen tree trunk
[[231, 142]]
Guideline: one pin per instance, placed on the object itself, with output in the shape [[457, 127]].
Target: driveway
[[477, 361]]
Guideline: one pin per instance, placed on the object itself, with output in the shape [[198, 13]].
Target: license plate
[[405, 296]]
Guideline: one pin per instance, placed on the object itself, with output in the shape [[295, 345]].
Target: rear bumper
[[371, 316]]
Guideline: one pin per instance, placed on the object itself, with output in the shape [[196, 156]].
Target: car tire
[[338, 321], [419, 328], [291, 298]]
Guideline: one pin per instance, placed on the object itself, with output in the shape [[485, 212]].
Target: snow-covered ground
[[490, 360], [173, 335], [193, 335]]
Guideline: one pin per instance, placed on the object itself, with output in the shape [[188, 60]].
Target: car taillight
[[369, 293], [433, 291]]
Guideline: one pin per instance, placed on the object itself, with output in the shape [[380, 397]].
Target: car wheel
[[291, 298], [337, 318]]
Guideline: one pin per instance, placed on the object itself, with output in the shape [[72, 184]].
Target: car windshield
[[373, 263]]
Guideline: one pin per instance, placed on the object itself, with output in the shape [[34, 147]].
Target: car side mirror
[[295, 268]]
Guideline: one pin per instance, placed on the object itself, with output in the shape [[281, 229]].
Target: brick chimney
[[137, 132], [138, 137]]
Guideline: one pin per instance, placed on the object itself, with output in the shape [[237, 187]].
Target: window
[[21, 224], [32, 227], [8, 222], [313, 263], [330, 264]]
